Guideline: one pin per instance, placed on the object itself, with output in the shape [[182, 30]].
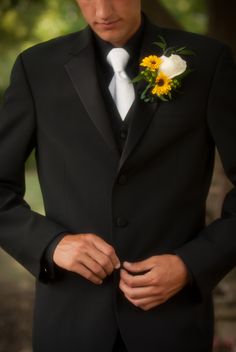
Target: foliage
[[192, 14], [26, 22]]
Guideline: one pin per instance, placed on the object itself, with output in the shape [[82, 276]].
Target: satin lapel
[[142, 112], [82, 72]]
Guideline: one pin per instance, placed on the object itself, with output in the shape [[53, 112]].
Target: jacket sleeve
[[24, 234], [48, 266], [212, 254]]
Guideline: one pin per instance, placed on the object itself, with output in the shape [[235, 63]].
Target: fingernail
[[127, 263], [117, 266]]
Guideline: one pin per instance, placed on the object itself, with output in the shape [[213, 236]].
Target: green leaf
[[171, 48], [180, 49], [187, 52], [169, 51], [137, 79], [162, 98], [162, 39], [160, 44], [143, 95]]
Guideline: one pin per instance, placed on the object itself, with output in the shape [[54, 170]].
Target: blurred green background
[[24, 23]]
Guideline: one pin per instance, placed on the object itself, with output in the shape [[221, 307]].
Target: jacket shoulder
[[194, 41], [55, 47]]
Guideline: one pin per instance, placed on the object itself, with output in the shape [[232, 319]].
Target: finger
[[143, 301], [86, 273], [102, 259], [137, 280], [146, 304], [151, 305], [137, 292], [143, 265], [106, 249], [92, 265]]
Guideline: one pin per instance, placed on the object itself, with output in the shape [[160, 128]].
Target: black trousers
[[119, 345]]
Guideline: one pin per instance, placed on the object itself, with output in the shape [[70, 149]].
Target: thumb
[[143, 265]]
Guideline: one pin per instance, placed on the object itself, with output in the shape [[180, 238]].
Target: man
[[123, 259]]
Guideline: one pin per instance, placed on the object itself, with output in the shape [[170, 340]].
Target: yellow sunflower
[[163, 85], [152, 62]]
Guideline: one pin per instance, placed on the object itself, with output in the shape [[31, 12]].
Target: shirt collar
[[133, 46]]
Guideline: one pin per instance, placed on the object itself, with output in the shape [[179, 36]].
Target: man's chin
[[109, 36]]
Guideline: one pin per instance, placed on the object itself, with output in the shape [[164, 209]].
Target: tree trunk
[[222, 21], [222, 26], [158, 14]]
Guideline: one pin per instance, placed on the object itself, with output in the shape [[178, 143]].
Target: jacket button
[[121, 222], [122, 179]]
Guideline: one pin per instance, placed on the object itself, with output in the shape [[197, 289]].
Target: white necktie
[[122, 90]]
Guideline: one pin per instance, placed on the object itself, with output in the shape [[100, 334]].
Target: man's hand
[[86, 254], [167, 275]]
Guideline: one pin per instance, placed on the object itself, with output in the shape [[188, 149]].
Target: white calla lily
[[172, 66]]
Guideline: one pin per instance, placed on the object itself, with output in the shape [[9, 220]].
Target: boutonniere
[[163, 74]]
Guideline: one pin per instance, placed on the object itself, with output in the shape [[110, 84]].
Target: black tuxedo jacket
[[149, 201]]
